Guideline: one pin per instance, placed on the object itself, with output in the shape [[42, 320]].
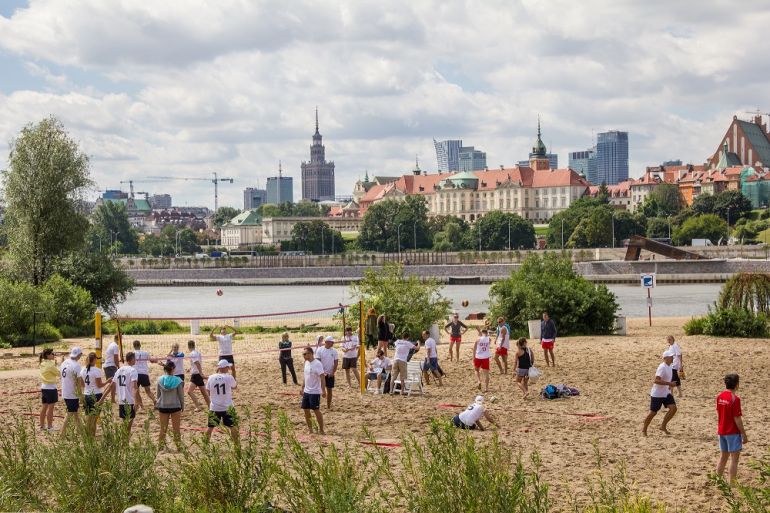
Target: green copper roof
[[246, 218], [140, 205], [465, 175]]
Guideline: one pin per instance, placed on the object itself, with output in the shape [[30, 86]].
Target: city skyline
[[162, 89]]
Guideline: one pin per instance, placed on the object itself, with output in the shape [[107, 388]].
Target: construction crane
[[757, 113], [130, 186], [214, 180]]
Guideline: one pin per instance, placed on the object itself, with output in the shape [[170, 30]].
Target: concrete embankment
[[667, 271]]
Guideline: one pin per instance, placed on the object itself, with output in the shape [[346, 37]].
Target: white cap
[[479, 399], [224, 364], [329, 339], [668, 353], [76, 351]]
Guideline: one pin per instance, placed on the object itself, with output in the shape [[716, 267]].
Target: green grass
[[349, 236], [541, 230]]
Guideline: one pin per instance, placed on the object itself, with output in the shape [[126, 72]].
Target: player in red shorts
[[481, 356], [503, 343], [548, 339], [455, 328]]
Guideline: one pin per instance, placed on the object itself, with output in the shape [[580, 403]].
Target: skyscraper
[[584, 162], [280, 189], [611, 157], [448, 155], [318, 174], [253, 198], [472, 159]]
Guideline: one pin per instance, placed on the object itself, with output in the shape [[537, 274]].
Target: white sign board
[[648, 281]]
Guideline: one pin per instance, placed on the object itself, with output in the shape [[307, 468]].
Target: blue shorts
[[730, 443], [657, 402], [431, 364], [310, 401]]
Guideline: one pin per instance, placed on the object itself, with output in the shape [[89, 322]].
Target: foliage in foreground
[[729, 322], [549, 284], [748, 498]]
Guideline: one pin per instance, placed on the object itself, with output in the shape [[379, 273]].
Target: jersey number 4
[[87, 380]]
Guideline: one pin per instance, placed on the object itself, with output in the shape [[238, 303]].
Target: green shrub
[[149, 327], [753, 497], [18, 303], [748, 291], [19, 472], [70, 305], [735, 322], [549, 284], [694, 326]]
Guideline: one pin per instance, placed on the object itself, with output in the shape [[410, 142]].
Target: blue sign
[[648, 281]]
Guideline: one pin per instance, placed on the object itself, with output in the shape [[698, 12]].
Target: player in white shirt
[[481, 355], [379, 368], [111, 361], [126, 381], [221, 409], [431, 359], [177, 358], [327, 355], [313, 388], [197, 379], [225, 344], [142, 367], [470, 418], [92, 382], [503, 343], [350, 345], [678, 366], [70, 387], [401, 356], [660, 394]]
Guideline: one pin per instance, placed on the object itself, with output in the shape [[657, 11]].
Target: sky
[[187, 88]]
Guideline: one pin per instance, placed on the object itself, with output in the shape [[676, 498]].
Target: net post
[[98, 338], [120, 339], [361, 346]]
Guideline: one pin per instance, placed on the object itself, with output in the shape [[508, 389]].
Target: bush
[[735, 322], [150, 327], [70, 305], [752, 497], [694, 326], [549, 284], [18, 303], [748, 291]]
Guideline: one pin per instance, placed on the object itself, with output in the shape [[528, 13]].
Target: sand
[[613, 374]]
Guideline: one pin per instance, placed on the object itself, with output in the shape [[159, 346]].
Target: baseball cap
[[76, 351], [329, 339], [479, 399], [223, 364], [668, 353]]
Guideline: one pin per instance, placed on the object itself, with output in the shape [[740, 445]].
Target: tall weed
[[18, 468], [748, 498]]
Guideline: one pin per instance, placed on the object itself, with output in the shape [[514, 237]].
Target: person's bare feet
[[644, 432], [664, 430], [526, 394], [479, 386]]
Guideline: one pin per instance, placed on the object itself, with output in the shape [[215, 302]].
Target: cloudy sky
[[184, 88]]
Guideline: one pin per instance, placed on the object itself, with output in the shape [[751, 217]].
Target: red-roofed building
[[619, 194]]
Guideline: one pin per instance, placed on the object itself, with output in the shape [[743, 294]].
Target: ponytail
[[91, 361], [44, 354]]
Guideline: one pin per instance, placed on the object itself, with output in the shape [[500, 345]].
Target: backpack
[[549, 392]]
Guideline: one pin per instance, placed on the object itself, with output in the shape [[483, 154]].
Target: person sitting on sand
[[470, 418], [525, 359], [660, 395], [481, 356]]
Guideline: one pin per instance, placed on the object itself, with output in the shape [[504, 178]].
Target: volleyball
[[219, 292], [465, 303]]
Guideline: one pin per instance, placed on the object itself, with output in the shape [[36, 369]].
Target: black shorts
[[460, 424], [311, 401], [227, 357], [349, 363], [657, 402], [73, 405], [126, 410], [109, 372], [143, 380], [329, 381], [675, 378], [49, 395], [220, 417], [197, 380], [169, 410], [89, 407], [180, 376]]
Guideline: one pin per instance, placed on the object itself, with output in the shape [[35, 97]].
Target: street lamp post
[[562, 234], [323, 250], [114, 240], [612, 220], [727, 243], [669, 225], [479, 224], [509, 234], [176, 242], [415, 236], [398, 239]]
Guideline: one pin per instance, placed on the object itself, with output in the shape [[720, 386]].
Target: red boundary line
[[220, 317]]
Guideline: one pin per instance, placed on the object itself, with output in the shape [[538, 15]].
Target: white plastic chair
[[413, 378], [371, 384]]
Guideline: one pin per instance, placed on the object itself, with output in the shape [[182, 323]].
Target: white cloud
[[195, 87]]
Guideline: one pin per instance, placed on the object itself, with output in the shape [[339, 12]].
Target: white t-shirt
[[313, 371], [142, 364], [178, 359], [430, 346], [677, 365], [666, 374], [225, 344], [382, 363], [220, 387], [483, 348], [504, 337], [89, 377], [327, 356], [124, 379], [350, 347], [69, 372], [195, 356], [109, 355], [402, 349], [472, 414]]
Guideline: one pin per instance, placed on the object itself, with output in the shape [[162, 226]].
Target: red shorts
[[502, 351], [546, 344], [481, 363], [455, 339]]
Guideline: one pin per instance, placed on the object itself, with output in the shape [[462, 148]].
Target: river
[[682, 300]]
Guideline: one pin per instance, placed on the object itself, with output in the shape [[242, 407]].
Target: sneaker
[[52, 428]]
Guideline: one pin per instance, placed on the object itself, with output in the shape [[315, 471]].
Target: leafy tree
[[223, 215], [44, 186], [550, 284], [439, 223], [604, 193], [705, 226], [493, 231], [110, 223], [657, 227], [749, 291], [187, 242], [593, 231], [20, 302], [156, 246], [316, 237], [569, 219], [626, 225], [732, 201], [451, 237], [412, 304], [664, 200], [287, 209], [704, 204], [71, 305], [379, 230], [97, 273]]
